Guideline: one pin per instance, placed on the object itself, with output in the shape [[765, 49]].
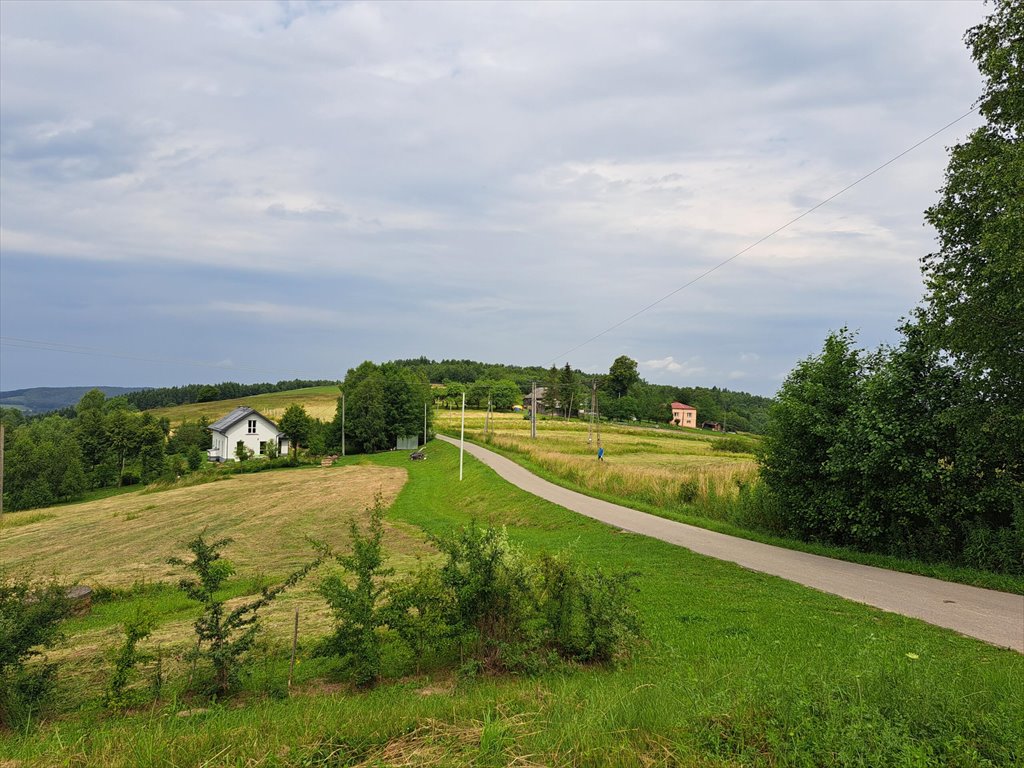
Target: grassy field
[[319, 402], [680, 474], [736, 668], [670, 468]]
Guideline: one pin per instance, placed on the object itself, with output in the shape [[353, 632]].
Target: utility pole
[[424, 422], [590, 421], [343, 423], [487, 418], [462, 436], [598, 418], [533, 409]]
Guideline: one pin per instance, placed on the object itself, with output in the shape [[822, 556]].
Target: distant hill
[[43, 399]]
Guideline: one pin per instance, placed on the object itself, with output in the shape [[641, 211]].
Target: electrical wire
[[770, 235]]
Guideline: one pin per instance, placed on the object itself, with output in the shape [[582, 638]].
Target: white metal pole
[[343, 423], [462, 437]]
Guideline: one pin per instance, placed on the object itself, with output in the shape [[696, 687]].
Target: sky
[[202, 192]]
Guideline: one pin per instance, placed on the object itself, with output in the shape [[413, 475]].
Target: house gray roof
[[226, 422]]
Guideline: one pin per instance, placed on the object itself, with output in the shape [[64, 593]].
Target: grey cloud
[[545, 169]]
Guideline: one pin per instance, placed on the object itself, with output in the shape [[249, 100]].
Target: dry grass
[[124, 539], [319, 402], [663, 467]]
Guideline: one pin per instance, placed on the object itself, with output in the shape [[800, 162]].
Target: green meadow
[[734, 668]]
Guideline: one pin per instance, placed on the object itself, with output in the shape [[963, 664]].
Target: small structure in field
[[542, 392], [407, 442], [252, 428], [80, 599], [683, 415], [714, 426]]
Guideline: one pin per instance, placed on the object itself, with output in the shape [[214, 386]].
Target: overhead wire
[[768, 236]]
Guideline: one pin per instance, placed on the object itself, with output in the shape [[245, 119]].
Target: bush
[[30, 617], [732, 445], [357, 608], [486, 608], [587, 612], [195, 457], [137, 628], [224, 637]]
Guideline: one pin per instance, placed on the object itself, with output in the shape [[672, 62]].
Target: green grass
[[713, 513], [736, 668]]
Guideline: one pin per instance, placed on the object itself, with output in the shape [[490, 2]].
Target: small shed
[[408, 442]]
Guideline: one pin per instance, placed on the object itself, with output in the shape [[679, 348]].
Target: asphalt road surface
[[995, 617]]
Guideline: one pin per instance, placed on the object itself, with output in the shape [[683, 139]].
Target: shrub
[[138, 627], [223, 636], [357, 608], [30, 616], [732, 445], [587, 612], [195, 457], [486, 608]]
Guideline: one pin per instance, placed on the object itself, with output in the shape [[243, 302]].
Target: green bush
[[487, 608], [224, 636], [30, 617], [137, 627], [358, 608], [732, 445]]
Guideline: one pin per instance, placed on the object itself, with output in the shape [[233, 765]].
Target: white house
[[250, 426]]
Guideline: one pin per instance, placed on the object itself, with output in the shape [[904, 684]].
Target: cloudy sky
[[196, 192]]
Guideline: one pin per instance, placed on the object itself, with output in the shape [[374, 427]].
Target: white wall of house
[[252, 430]]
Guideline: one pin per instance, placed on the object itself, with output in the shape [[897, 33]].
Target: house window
[[263, 447], [252, 426]]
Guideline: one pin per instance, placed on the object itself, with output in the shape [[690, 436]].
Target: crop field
[[319, 402], [666, 467], [734, 668]]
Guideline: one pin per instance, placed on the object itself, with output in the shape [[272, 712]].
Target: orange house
[[684, 415]]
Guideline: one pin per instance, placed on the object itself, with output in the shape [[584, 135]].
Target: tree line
[[165, 397], [102, 443], [918, 448]]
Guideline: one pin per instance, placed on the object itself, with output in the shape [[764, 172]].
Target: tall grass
[[707, 488]]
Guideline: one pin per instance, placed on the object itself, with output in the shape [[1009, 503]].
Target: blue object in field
[[600, 453]]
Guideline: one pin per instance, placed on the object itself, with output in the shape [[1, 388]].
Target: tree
[[549, 400], [504, 394], [43, 464], [296, 426], [622, 375], [975, 281], [812, 404], [568, 390], [974, 306]]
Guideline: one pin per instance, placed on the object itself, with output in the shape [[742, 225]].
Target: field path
[[995, 617]]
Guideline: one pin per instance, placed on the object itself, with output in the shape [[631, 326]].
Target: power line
[[771, 234], [51, 346]]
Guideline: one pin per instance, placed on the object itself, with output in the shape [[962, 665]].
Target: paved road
[[995, 617]]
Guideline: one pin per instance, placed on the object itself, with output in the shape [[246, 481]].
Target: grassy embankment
[[319, 402], [737, 667], [674, 473]]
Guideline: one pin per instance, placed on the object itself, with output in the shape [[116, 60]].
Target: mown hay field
[[125, 539], [319, 402]]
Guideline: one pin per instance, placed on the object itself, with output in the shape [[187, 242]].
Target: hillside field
[[319, 402], [735, 668]]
